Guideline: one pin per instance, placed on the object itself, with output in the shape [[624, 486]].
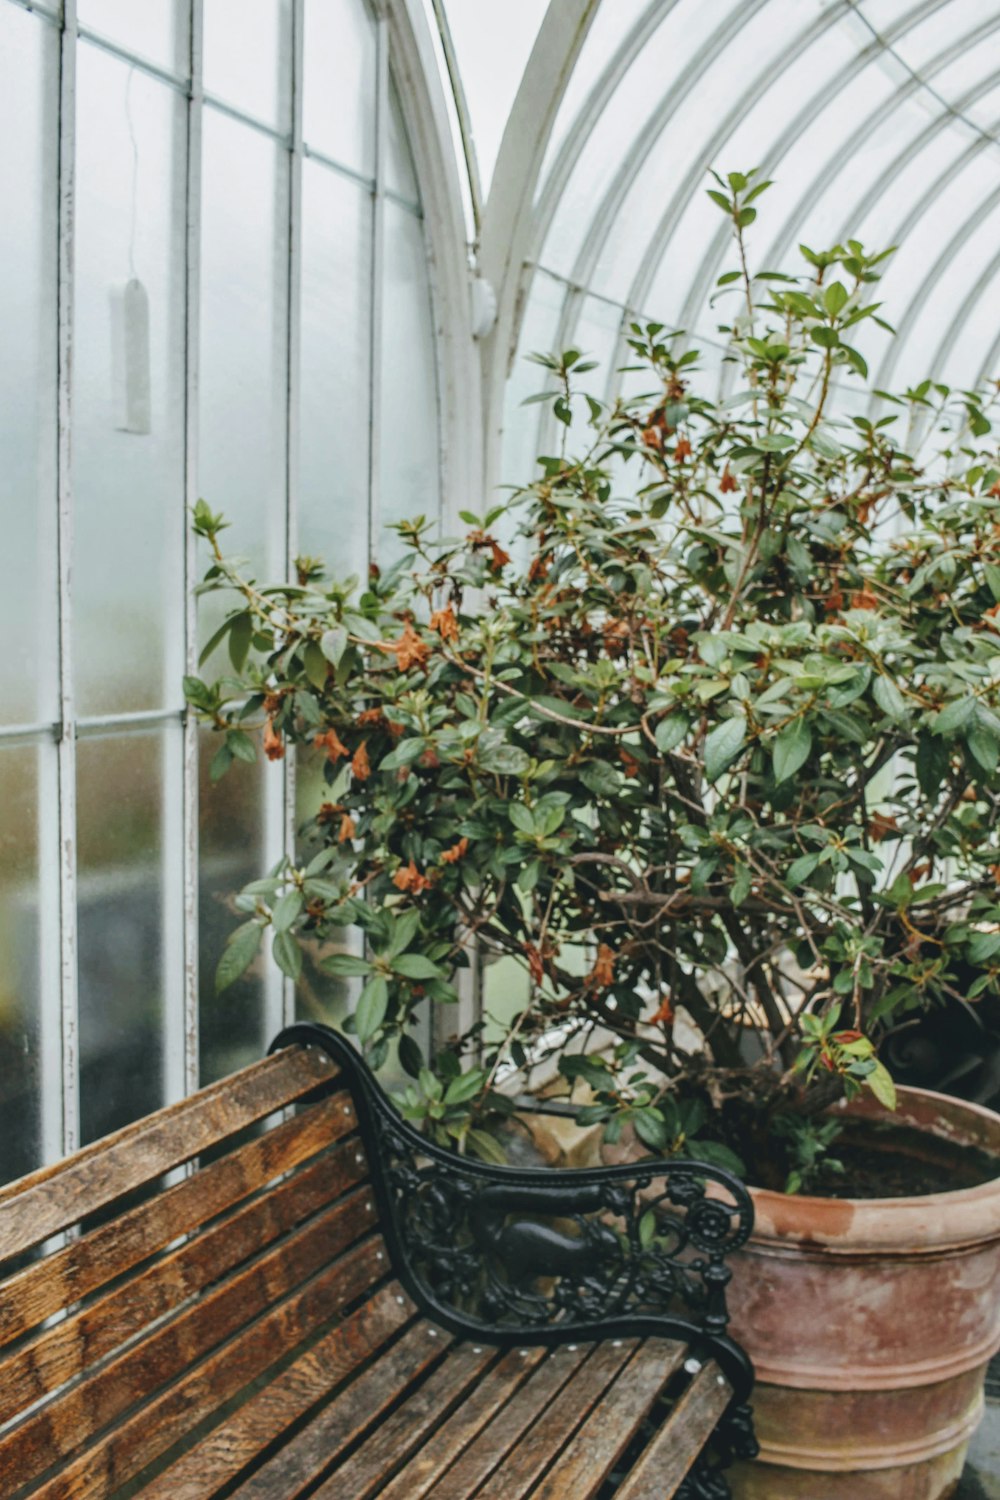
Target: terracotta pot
[[871, 1323]]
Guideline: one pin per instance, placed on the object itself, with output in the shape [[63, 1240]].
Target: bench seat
[[249, 1294]]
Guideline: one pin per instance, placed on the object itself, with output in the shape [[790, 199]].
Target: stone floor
[[981, 1480]]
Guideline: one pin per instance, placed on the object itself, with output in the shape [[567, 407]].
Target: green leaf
[[521, 817], [715, 1154], [287, 954], [240, 952], [404, 754], [670, 732], [983, 748], [213, 641], [345, 965], [333, 644], [835, 297], [650, 1129], [241, 746], [240, 636], [879, 1080], [800, 869], [955, 715], [286, 909], [221, 761], [993, 580], [791, 749], [404, 930], [723, 744], [314, 664], [740, 888], [932, 762], [373, 1003], [466, 1086], [415, 966], [888, 697], [486, 1147]]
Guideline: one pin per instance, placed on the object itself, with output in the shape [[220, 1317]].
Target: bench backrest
[[150, 1278]]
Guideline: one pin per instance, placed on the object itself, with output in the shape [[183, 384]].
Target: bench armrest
[[540, 1255]]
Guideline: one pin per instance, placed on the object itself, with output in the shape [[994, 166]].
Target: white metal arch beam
[[709, 269], [506, 238], [970, 303]]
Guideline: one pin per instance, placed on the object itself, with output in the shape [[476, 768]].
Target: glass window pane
[[154, 29], [244, 337], [29, 92], [400, 175], [120, 902], [338, 105], [22, 1053], [408, 475], [129, 387], [493, 41], [231, 853], [335, 341], [248, 57]]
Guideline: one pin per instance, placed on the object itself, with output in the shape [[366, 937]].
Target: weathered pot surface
[[870, 1323]]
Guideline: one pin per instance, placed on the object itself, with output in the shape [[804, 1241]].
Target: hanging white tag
[[130, 377]]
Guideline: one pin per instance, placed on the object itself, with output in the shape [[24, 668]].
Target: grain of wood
[[508, 1427], [78, 1342], [590, 1456], [664, 1463], [59, 1427], [56, 1197], [492, 1393], [132, 1445], [231, 1448], [401, 1435], [81, 1267], [539, 1447]]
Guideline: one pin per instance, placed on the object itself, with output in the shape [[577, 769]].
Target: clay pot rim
[[928, 1221]]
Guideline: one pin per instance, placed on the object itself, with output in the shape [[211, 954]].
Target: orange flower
[[455, 853], [536, 964], [328, 811], [632, 766], [370, 718], [274, 745], [653, 438], [359, 762], [995, 491], [347, 829], [395, 729], [864, 599], [444, 622], [728, 481], [834, 601], [665, 1015], [881, 825], [682, 451], [330, 741], [602, 975], [500, 557], [409, 878], [538, 569], [430, 760], [409, 649]]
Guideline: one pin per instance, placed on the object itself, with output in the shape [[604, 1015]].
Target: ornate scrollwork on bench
[[541, 1255]]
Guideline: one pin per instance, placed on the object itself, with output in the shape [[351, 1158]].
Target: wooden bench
[[200, 1306]]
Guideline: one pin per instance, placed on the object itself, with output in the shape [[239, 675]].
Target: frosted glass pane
[[336, 332], [29, 84], [538, 336], [244, 352], [155, 29], [338, 105], [493, 41], [400, 175], [409, 483], [129, 387], [21, 1043], [320, 997], [121, 893], [231, 852], [248, 57]]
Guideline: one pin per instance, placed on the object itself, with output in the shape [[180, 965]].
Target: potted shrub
[[708, 742]]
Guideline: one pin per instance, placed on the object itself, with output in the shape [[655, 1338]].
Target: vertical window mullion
[[378, 276], [192, 333], [66, 753], [294, 393]]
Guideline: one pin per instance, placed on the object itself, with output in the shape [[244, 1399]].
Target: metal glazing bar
[[351, 173], [233, 112], [141, 64], [104, 724], [462, 113], [192, 332], [66, 753], [24, 734], [294, 395]]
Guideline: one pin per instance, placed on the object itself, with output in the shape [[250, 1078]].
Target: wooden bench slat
[[229, 1449], [134, 1443], [353, 1411], [46, 1287], [673, 1450], [79, 1342], [508, 1427], [56, 1197], [534, 1454], [68, 1420], [401, 1435], [591, 1455], [493, 1392]]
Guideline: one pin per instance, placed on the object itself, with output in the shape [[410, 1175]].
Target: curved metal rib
[[514, 1255]]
